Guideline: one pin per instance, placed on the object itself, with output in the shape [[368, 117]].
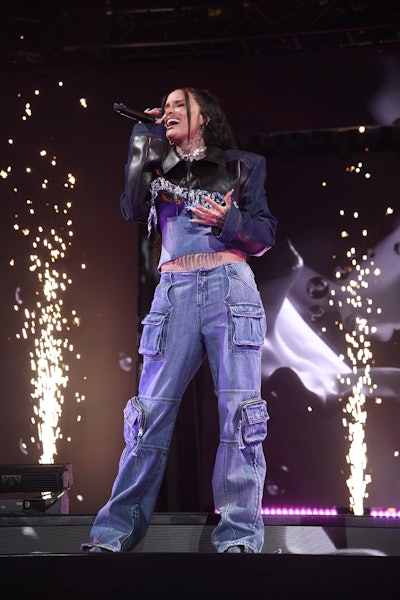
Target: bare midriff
[[203, 260]]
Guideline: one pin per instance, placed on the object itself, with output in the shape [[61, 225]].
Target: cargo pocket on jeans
[[248, 327], [152, 341], [134, 423], [253, 422]]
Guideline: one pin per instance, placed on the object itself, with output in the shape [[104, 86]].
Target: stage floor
[[308, 556]]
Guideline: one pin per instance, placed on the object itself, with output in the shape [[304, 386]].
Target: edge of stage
[[310, 555]]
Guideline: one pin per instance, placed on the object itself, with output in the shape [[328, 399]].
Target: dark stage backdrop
[[76, 279]]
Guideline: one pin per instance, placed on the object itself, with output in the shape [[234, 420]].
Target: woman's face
[[176, 118]]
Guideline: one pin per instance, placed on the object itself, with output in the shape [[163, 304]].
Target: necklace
[[195, 154]]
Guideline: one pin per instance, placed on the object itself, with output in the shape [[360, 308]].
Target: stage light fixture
[[27, 489], [35, 478]]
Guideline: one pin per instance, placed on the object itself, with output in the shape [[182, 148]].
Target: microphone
[[132, 113]]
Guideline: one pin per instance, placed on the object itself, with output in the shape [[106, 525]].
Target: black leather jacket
[[249, 227]]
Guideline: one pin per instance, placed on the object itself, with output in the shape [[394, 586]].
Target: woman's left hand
[[215, 216]]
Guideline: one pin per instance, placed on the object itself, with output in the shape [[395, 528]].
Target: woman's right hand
[[156, 112]]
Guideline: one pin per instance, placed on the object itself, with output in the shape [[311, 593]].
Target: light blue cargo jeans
[[217, 312]]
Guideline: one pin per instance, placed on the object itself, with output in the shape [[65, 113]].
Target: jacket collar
[[172, 158]]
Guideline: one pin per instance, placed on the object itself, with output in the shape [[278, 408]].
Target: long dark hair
[[217, 130]]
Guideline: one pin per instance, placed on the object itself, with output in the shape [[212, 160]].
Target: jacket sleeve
[[146, 149], [250, 225]]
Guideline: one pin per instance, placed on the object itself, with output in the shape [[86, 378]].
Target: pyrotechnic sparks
[[43, 221], [359, 355], [356, 300]]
